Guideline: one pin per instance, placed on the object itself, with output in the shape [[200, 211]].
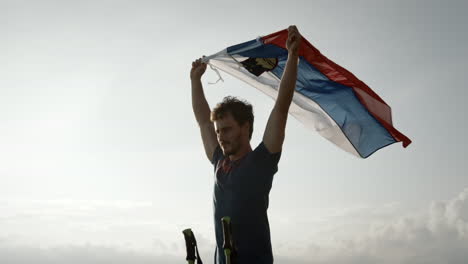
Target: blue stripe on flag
[[364, 132]]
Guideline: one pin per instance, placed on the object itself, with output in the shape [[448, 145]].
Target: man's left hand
[[294, 40]]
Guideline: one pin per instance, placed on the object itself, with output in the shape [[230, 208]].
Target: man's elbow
[[281, 109], [284, 101]]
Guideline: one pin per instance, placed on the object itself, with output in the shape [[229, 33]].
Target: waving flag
[[327, 97]]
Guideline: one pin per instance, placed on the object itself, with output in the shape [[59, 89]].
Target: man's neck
[[241, 153]]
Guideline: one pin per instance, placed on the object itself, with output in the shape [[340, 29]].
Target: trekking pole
[[227, 234], [192, 247]]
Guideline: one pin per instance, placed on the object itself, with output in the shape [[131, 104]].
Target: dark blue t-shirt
[[241, 192]]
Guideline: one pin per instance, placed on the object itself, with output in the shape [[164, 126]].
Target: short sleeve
[[266, 157], [266, 166], [217, 155]]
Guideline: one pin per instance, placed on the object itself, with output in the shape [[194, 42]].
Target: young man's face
[[231, 136]]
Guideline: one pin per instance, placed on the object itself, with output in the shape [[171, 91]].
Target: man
[[243, 176]]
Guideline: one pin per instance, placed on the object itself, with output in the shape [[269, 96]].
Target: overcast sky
[[101, 160]]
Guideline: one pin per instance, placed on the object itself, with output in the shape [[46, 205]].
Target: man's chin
[[227, 152]]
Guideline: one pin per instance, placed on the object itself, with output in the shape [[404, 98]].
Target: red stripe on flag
[[374, 104]]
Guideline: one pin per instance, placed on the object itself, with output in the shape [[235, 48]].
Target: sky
[[101, 160]]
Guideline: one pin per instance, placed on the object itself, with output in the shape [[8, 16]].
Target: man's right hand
[[198, 68]]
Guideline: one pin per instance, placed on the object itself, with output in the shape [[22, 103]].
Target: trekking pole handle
[[227, 234], [189, 245]]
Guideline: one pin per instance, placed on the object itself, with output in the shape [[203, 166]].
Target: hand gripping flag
[[327, 97]]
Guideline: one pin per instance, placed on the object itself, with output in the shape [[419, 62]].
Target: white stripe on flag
[[302, 108]]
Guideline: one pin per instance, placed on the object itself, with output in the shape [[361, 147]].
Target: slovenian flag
[[327, 98]]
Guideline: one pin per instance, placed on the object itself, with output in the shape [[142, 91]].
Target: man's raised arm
[[201, 109], [275, 130]]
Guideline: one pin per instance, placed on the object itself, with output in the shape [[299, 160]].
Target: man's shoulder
[[262, 152], [262, 148]]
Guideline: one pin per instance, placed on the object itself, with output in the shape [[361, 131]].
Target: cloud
[[84, 254], [94, 254], [433, 235], [135, 225], [436, 235]]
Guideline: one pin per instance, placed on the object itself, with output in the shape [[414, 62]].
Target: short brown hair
[[240, 110]]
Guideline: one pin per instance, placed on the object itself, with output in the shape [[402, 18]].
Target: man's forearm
[[200, 106], [287, 84]]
